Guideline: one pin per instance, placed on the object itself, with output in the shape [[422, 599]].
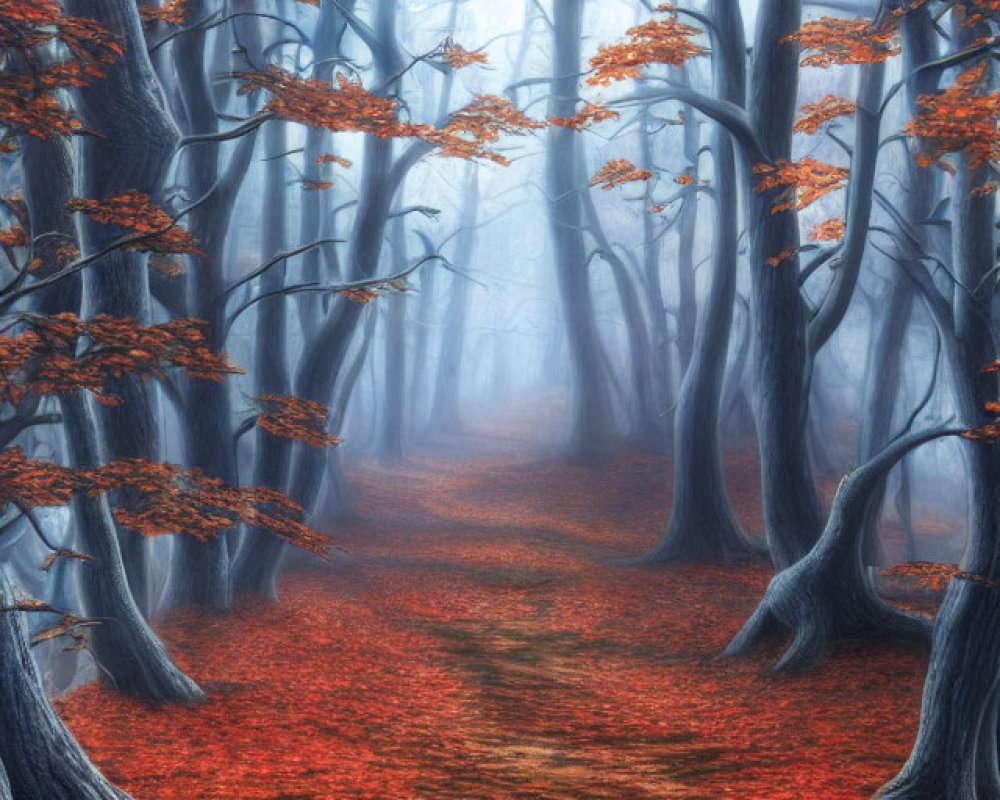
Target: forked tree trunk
[[702, 524], [826, 597]]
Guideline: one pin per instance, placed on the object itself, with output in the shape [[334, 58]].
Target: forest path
[[474, 642]]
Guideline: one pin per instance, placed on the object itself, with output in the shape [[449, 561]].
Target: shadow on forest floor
[[473, 643]]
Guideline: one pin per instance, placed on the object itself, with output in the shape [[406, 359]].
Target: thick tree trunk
[[132, 658], [954, 757], [702, 524], [792, 515], [257, 565], [131, 147], [826, 597], [202, 570], [593, 421], [39, 755], [955, 754]]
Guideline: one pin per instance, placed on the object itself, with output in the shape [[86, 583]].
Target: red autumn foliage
[[172, 12], [927, 573], [475, 649], [162, 499], [590, 114], [662, 41], [828, 108], [831, 230], [296, 419], [803, 182], [76, 52], [61, 354], [965, 117], [29, 483], [457, 57], [136, 212], [350, 107], [780, 258], [329, 158], [846, 41], [617, 172]]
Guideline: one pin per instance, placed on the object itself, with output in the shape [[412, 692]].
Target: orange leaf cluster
[[781, 258], [296, 419], [590, 114], [162, 499], [664, 41], [29, 483], [831, 230], [846, 41], [684, 180], [77, 51], [816, 115], [803, 182], [472, 130], [963, 118], [350, 107], [173, 12], [928, 573], [617, 172], [457, 57], [15, 236], [61, 354], [137, 213], [329, 158], [495, 658]]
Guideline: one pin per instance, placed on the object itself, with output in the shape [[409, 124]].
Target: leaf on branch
[[828, 108], [664, 41], [296, 419], [329, 158], [929, 574], [79, 51], [590, 114], [965, 117], [457, 57], [831, 230], [69, 625], [172, 12], [316, 186], [55, 555], [847, 41], [136, 212], [617, 172], [782, 257], [61, 354], [162, 499], [801, 182], [361, 296], [27, 483]]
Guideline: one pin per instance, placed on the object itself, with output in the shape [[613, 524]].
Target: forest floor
[[476, 640]]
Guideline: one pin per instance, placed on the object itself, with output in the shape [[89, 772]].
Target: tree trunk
[[132, 658], [391, 446], [702, 523], [202, 570], [792, 515], [257, 564], [132, 142], [39, 755], [593, 421], [826, 597]]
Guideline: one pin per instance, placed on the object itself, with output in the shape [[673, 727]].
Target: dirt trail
[[474, 642]]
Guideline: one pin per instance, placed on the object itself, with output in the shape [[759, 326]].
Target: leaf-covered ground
[[477, 643]]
